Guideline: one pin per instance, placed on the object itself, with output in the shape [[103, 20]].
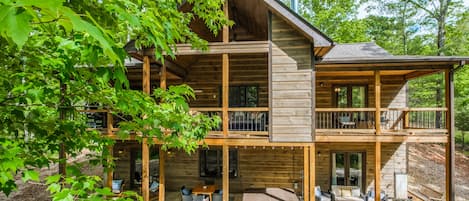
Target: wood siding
[[257, 168], [292, 86], [205, 77], [393, 160], [393, 90]]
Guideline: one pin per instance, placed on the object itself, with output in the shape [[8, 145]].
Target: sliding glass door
[[348, 168]]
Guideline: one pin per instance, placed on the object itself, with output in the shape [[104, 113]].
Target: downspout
[[294, 5]]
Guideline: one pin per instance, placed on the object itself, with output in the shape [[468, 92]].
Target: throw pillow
[[346, 192], [355, 192]]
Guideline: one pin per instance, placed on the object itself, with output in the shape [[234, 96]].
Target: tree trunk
[[463, 133], [441, 26]]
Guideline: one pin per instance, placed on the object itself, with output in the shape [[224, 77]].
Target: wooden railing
[[392, 120], [345, 118], [413, 118]]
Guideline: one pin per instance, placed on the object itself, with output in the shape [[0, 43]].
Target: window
[[242, 96], [350, 96], [211, 163]]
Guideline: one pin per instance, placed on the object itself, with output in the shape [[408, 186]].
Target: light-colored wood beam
[[306, 164], [162, 187], [427, 138], [377, 170], [145, 149], [163, 76], [226, 171], [145, 170], [110, 172], [225, 91], [226, 29], [450, 160], [238, 47], [378, 102], [312, 170]]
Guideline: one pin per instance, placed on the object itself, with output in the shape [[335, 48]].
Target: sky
[[362, 13]]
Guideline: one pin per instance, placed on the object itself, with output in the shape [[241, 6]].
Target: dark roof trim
[[320, 39], [395, 59]]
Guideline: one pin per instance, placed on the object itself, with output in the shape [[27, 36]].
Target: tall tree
[[55, 60], [439, 11]]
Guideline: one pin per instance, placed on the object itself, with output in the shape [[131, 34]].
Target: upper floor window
[[242, 96], [211, 163], [351, 96]]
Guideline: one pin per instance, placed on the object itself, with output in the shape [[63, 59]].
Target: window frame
[[349, 94], [233, 161]]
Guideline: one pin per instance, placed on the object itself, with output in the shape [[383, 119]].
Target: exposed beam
[[450, 160], [385, 66], [221, 48], [306, 169], [378, 171], [162, 186], [312, 170], [145, 149], [173, 68], [226, 175], [430, 138], [378, 102], [416, 74], [225, 93]]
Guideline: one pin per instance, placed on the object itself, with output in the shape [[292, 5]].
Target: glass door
[[348, 169]]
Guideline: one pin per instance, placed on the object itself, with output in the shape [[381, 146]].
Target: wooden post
[[226, 173], [162, 186], [312, 170], [225, 97], [378, 102], [377, 170], [162, 153], [225, 75], [406, 119], [110, 172], [163, 77], [449, 92], [145, 148], [306, 177]]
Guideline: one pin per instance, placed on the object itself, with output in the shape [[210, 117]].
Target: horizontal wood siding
[[393, 160], [393, 90], [291, 84], [257, 168], [205, 77]]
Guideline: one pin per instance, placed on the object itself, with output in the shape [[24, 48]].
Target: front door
[[348, 168]]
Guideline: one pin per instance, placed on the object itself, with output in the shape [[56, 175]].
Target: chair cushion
[[346, 192], [185, 191], [154, 186], [355, 192], [116, 185]]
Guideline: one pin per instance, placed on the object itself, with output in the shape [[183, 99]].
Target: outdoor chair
[[186, 194], [218, 195], [117, 186]]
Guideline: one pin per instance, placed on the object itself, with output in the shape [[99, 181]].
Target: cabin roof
[[320, 39], [371, 53]]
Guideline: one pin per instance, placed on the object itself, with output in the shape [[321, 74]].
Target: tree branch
[[429, 12]]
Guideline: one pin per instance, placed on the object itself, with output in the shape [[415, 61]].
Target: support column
[[162, 153], [225, 74], [378, 102], [226, 173], [110, 172], [162, 187], [312, 170], [306, 166], [449, 92], [145, 148], [377, 170]]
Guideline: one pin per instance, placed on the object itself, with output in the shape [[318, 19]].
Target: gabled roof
[[320, 39], [354, 50]]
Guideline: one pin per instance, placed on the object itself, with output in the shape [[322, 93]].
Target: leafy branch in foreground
[[58, 54]]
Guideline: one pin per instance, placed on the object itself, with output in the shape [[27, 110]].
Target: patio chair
[[186, 194], [117, 186], [218, 195]]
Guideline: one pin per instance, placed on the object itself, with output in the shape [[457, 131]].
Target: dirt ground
[[426, 166]]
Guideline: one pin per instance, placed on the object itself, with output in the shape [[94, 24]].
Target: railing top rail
[[345, 109], [416, 109], [206, 109], [94, 110], [248, 109]]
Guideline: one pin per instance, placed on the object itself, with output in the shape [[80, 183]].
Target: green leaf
[[15, 24], [30, 175], [53, 179]]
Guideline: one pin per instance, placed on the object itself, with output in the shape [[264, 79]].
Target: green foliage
[[55, 60]]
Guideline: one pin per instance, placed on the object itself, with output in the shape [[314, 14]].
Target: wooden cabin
[[298, 110]]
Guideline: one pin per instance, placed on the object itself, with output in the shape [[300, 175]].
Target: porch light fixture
[[337, 89], [321, 84]]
